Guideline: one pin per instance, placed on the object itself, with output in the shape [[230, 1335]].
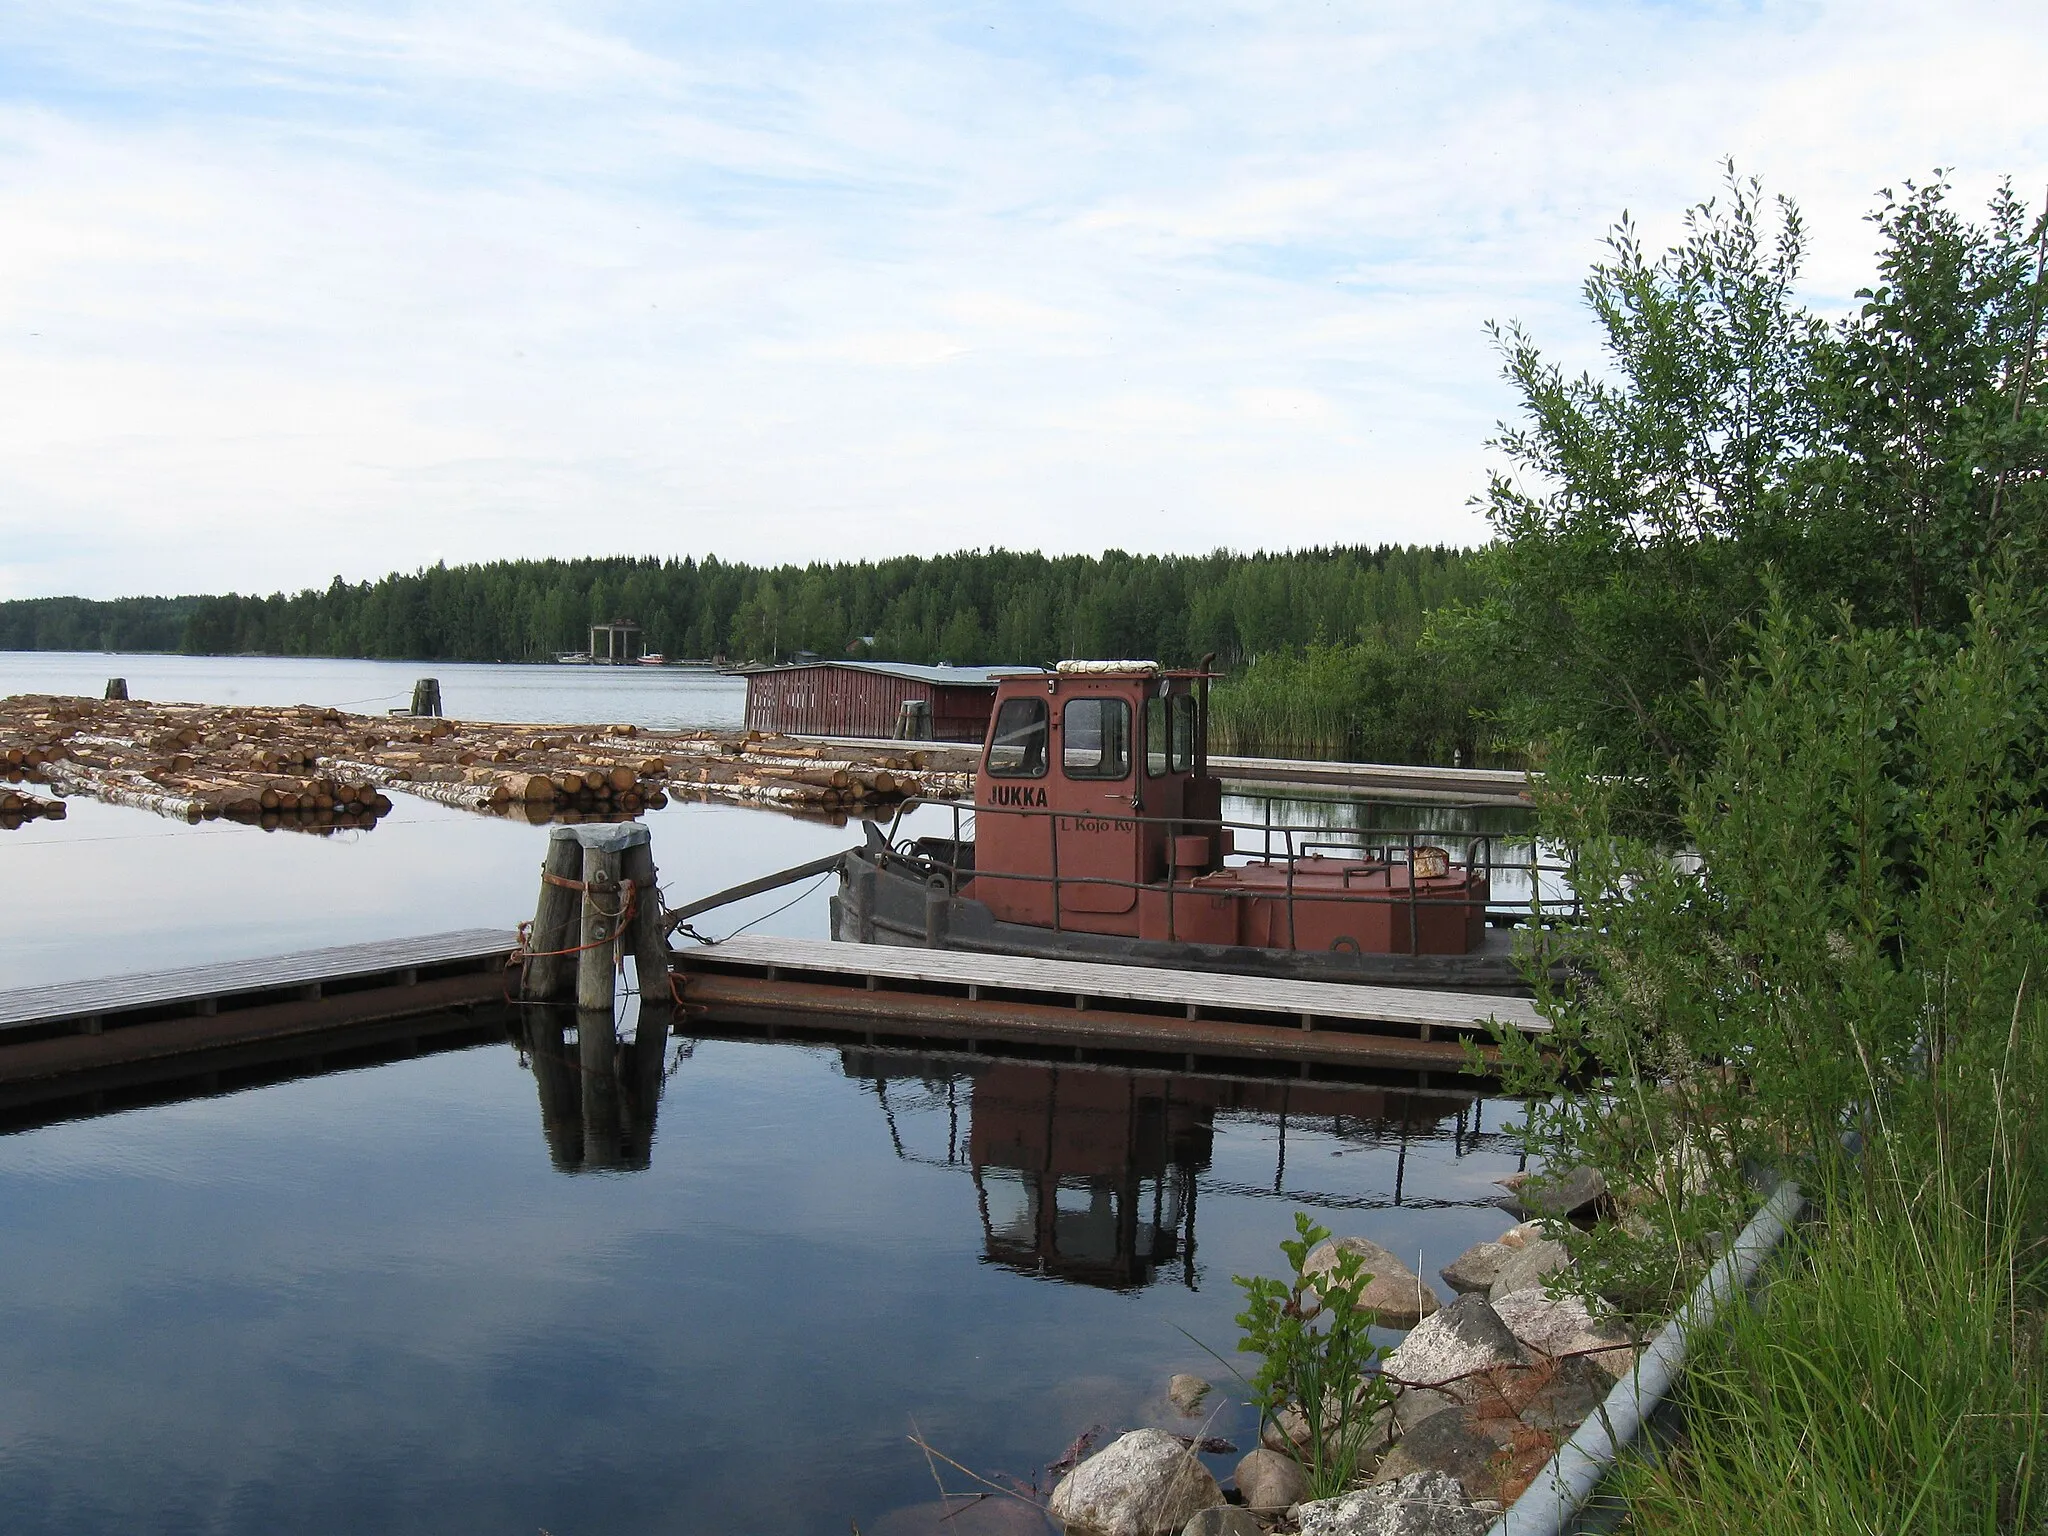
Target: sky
[[291, 291]]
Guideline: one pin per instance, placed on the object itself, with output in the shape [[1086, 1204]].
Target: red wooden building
[[866, 698]]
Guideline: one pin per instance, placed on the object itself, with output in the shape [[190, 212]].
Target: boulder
[[1222, 1520], [1476, 1268], [1270, 1482], [1145, 1483], [1535, 1263], [1414, 1404], [1555, 1194], [1561, 1325], [1187, 1392], [1467, 1336], [1420, 1504], [1562, 1403], [1458, 1445], [1396, 1293], [1286, 1432], [1520, 1235]]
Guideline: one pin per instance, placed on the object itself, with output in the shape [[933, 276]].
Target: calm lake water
[[390, 1299]]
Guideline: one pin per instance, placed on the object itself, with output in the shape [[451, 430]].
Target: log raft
[[309, 767]]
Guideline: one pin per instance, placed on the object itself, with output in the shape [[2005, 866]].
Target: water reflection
[[598, 1095], [1093, 1175]]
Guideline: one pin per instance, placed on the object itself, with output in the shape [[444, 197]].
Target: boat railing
[[1393, 847]]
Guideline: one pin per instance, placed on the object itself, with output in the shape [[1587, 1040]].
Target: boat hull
[[884, 899]]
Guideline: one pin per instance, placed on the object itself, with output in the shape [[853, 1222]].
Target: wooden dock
[[120, 1026], [1088, 1010], [1391, 781]]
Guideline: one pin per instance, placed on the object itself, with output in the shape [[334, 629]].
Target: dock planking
[[389, 961], [1084, 1005], [120, 1024]]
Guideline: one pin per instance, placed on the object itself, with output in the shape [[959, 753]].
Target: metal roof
[[959, 677]]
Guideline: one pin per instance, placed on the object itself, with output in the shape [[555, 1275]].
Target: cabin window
[[1169, 734], [1016, 748], [1182, 707], [1097, 736]]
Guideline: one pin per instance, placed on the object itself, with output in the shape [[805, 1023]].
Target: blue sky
[[295, 290]]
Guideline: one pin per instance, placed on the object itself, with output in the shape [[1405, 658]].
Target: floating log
[[192, 761]]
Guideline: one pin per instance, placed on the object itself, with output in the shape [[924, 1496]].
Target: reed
[[1374, 701]]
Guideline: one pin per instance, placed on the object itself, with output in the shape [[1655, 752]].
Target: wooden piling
[[550, 976], [647, 942], [596, 963], [117, 687], [426, 697]]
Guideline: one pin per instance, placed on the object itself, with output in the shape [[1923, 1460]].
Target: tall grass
[[1892, 1377]]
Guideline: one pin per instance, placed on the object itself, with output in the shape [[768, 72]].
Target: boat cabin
[[1095, 812]]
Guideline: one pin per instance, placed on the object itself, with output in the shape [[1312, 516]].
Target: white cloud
[[286, 291]]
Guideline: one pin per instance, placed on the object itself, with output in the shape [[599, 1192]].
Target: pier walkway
[[145, 1021], [1087, 1008]]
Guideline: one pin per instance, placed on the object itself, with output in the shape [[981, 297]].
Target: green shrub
[[1328, 1372]]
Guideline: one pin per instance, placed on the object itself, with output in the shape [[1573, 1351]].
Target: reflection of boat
[[1099, 834], [1091, 1175]]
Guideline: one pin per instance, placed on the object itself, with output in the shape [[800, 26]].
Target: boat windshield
[[1097, 741], [1016, 748]]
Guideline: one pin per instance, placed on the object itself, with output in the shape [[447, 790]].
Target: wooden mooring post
[[426, 697], [598, 903], [117, 687]]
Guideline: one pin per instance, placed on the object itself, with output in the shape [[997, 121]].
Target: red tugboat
[[1098, 834]]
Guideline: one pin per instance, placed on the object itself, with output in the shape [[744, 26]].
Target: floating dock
[[1088, 1011], [125, 1029]]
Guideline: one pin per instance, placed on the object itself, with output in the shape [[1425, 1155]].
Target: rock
[[1396, 1292], [1465, 1337], [1421, 1504], [1145, 1483], [1414, 1404], [1271, 1482], [1537, 1261], [1554, 1194], [1561, 1325], [1476, 1267], [1562, 1403], [1223, 1520], [1520, 1236], [1286, 1432], [1187, 1392], [1458, 1445]]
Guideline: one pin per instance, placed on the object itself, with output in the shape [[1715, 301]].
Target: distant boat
[[654, 659]]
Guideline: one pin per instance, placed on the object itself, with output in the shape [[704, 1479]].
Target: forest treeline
[[1289, 624], [991, 606]]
